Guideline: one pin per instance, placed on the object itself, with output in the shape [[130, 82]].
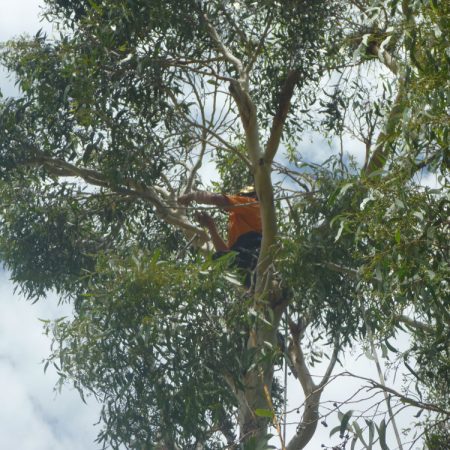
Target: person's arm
[[207, 221], [206, 198]]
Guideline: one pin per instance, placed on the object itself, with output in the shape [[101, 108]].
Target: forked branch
[[307, 426]]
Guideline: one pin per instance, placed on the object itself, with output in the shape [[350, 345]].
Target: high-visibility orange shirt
[[242, 219]]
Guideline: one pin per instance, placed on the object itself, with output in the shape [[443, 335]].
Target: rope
[[382, 379], [285, 380]]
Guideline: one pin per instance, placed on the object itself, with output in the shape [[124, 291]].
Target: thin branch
[[228, 146], [415, 324], [199, 161], [211, 73], [223, 49], [209, 130], [339, 268], [238, 29], [256, 53], [382, 382], [401, 397], [279, 119], [330, 367]]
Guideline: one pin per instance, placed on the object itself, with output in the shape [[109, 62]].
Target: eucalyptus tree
[[125, 108]]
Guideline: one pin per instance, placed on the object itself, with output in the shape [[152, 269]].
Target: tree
[[118, 115]]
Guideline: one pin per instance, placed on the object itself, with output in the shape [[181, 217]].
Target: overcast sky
[[32, 415]]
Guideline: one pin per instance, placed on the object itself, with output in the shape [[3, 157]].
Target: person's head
[[248, 191]]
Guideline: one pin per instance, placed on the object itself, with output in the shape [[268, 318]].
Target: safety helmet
[[247, 191]]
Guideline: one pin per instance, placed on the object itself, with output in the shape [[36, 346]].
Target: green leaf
[[382, 435], [371, 433], [344, 422], [264, 412], [390, 346], [359, 433], [335, 430]]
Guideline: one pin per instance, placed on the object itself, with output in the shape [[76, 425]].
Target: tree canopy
[[130, 105]]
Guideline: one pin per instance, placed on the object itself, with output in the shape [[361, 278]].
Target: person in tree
[[244, 225]]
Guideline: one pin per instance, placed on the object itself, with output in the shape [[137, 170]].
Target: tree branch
[[297, 357], [339, 269], [331, 365], [414, 323], [238, 29], [208, 130], [173, 217], [403, 398], [199, 161], [226, 52], [313, 392], [279, 119], [385, 57], [256, 53]]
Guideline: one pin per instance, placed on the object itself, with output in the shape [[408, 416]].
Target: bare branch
[[280, 116], [238, 29], [382, 382], [256, 53], [313, 392], [330, 367], [403, 398], [199, 161], [298, 359], [415, 324], [226, 52], [210, 131]]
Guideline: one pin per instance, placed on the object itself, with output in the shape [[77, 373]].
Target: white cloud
[[22, 424], [20, 16], [429, 179], [32, 415]]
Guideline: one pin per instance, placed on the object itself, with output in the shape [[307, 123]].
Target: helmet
[[247, 191]]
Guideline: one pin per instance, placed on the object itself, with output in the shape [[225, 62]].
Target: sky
[[32, 415]]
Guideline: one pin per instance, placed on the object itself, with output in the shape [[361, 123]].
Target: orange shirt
[[242, 219]]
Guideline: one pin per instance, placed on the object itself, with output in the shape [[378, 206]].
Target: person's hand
[[205, 220], [185, 199]]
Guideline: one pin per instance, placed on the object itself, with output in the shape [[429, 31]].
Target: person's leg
[[247, 251]]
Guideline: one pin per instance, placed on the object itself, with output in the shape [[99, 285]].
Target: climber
[[244, 225]]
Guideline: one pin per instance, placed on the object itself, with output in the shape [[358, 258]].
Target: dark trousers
[[247, 252]]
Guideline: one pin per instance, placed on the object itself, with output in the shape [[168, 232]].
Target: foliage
[[152, 353]]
